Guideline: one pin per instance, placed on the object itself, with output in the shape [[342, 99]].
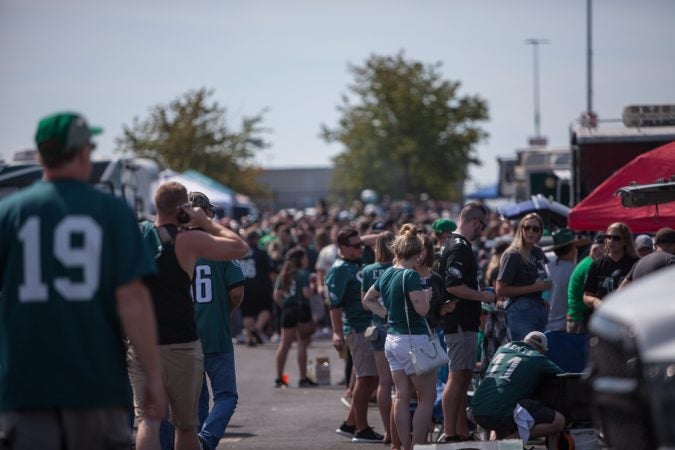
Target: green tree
[[405, 130], [191, 133]]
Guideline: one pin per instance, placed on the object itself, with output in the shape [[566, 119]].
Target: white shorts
[[397, 351]]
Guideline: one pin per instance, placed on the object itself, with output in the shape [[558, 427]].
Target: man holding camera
[[180, 235]]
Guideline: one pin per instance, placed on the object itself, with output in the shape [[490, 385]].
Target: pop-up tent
[[602, 207]]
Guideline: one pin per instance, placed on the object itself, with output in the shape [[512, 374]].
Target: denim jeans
[[524, 315], [220, 370]]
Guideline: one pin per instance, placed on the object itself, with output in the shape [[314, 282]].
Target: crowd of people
[[151, 304]]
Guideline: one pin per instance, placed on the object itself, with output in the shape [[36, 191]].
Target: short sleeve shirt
[[605, 275], [651, 263], [390, 285], [211, 284], [343, 283], [369, 274], [458, 266], [65, 247], [294, 296], [515, 271], [513, 374]]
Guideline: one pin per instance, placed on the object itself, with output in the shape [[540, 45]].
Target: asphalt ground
[[292, 418]]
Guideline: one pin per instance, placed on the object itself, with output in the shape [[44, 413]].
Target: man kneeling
[[502, 402]]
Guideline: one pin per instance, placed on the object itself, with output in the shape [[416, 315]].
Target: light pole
[[538, 139]]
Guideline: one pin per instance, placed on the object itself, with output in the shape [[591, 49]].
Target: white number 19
[[86, 257]]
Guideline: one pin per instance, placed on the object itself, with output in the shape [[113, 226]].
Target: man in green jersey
[[218, 290], [501, 402], [71, 264], [350, 320]]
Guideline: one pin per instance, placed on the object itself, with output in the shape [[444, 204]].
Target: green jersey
[[513, 374], [369, 274], [210, 291], [65, 248], [294, 296], [343, 282], [390, 285], [576, 309]]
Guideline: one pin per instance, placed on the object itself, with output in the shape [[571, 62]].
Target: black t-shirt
[[437, 289], [457, 265], [651, 263], [605, 274]]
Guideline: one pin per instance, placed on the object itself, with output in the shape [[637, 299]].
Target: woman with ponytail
[[401, 291], [292, 294]]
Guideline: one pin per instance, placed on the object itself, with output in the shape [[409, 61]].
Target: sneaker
[[306, 382], [367, 435], [346, 430], [279, 383]]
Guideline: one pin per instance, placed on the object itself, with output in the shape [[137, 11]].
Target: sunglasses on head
[[534, 228], [612, 237]]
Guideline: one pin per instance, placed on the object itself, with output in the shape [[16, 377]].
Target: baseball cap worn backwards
[[63, 133], [537, 339]]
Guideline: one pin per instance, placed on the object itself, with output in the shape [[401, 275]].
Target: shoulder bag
[[429, 355]]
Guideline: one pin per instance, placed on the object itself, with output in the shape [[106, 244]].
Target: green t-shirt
[[210, 292], [65, 247], [294, 295], [576, 310], [513, 374], [390, 286], [343, 282], [369, 274]]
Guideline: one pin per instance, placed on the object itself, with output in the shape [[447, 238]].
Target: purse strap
[[407, 318]]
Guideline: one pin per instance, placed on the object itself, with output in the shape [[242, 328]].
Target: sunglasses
[[482, 224], [534, 228], [357, 246], [613, 237]]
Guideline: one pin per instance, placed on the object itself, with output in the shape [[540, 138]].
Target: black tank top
[[171, 294]]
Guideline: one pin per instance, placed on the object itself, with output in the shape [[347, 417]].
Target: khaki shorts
[[182, 373], [77, 429], [462, 350], [362, 355]]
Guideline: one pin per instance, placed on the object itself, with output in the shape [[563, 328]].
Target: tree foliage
[[191, 133], [407, 131]]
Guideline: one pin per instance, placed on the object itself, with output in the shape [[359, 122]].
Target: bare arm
[[278, 296], [466, 293], [236, 297], [336, 322], [592, 301], [137, 317], [420, 301], [369, 301], [507, 290]]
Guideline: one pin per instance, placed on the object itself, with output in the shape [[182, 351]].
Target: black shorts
[[292, 315], [506, 425], [255, 303]]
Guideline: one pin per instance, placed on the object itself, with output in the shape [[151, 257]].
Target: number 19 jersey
[[65, 248]]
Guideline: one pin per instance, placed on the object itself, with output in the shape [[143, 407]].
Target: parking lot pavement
[[293, 418]]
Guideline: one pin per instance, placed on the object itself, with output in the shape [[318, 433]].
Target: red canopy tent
[[602, 208]]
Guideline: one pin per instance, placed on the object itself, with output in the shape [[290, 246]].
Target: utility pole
[[589, 57], [538, 139]]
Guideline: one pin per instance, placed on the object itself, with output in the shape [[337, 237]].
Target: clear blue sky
[[112, 60]]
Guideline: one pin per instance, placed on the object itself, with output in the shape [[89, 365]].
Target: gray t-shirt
[[559, 271], [514, 271]]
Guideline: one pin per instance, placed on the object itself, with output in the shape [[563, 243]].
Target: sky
[[113, 60]]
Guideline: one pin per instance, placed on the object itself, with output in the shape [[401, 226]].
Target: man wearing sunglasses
[[350, 320], [460, 316]]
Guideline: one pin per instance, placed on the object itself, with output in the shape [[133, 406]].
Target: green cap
[[63, 133], [444, 225]]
